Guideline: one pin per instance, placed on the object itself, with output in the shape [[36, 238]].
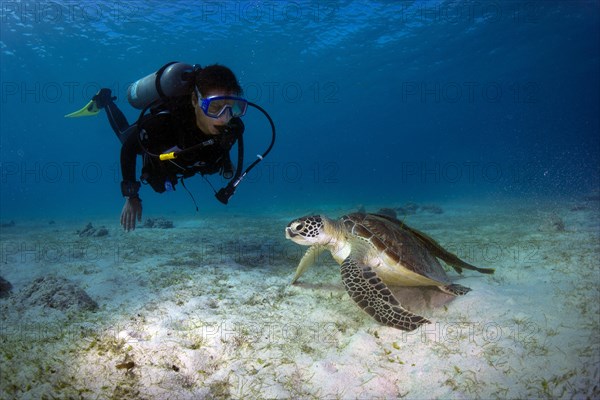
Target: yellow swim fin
[[89, 110]]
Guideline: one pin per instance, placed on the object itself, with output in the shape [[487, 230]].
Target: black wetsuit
[[166, 131]]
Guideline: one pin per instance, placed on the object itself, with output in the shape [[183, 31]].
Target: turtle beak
[[297, 232], [289, 234]]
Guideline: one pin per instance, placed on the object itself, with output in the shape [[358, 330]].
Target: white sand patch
[[205, 310]]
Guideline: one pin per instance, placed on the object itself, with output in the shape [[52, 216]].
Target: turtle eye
[[300, 226]]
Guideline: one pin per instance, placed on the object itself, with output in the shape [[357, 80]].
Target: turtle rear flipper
[[373, 296], [455, 289], [443, 254]]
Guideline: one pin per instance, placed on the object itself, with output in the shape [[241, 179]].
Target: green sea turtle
[[374, 251]]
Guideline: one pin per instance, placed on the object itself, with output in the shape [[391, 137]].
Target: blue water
[[382, 102]]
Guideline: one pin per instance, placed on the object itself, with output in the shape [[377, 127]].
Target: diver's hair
[[217, 77]]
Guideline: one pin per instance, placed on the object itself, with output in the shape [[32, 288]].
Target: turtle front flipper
[[373, 296], [308, 259]]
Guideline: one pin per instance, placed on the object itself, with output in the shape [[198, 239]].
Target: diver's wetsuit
[[160, 133]]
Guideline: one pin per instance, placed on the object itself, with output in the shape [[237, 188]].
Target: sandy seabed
[[205, 311]]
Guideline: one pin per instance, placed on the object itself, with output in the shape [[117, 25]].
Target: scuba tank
[[172, 80]]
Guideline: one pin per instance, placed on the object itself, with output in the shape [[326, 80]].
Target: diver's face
[[208, 124]]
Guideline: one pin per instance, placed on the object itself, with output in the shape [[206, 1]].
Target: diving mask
[[215, 106]]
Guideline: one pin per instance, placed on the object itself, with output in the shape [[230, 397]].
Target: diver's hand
[[132, 210]]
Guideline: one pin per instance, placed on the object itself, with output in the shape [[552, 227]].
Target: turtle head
[[308, 230]]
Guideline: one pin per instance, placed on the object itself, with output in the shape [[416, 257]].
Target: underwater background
[[398, 101], [475, 122]]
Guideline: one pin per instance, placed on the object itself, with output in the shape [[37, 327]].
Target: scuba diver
[[189, 121]]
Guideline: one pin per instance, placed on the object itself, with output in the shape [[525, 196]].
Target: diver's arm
[[132, 210], [129, 152]]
